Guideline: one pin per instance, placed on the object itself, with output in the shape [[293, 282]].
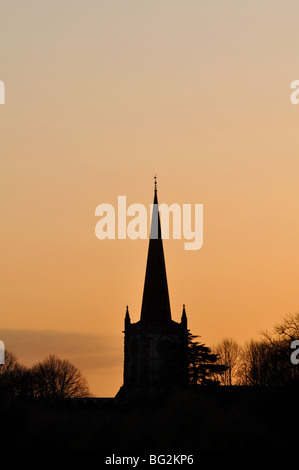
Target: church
[[155, 347]]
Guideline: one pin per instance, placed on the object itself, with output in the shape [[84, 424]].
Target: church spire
[[155, 308]]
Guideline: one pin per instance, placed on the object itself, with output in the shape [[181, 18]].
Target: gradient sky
[[100, 96]]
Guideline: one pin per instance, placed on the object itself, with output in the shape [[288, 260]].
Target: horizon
[[99, 98]]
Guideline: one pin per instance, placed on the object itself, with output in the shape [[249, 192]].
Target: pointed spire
[[155, 303], [184, 317], [127, 317]]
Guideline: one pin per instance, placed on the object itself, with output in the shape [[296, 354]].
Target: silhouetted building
[[155, 348]]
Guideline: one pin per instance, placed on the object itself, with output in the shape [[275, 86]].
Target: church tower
[[155, 348]]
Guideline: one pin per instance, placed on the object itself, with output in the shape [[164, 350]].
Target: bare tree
[[255, 364], [279, 342], [9, 365], [228, 351], [57, 378], [11, 377], [285, 332]]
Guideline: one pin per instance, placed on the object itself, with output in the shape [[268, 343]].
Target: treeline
[[264, 362], [51, 378], [269, 361]]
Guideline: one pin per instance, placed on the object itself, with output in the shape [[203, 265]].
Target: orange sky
[[100, 96]]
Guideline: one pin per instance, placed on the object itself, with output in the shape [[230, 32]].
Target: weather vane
[[155, 181]]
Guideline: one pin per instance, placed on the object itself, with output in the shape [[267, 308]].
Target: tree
[[256, 364], [11, 377], [57, 378], [204, 368], [280, 342], [285, 332], [228, 352]]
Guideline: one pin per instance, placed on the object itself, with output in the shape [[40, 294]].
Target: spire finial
[[155, 182]]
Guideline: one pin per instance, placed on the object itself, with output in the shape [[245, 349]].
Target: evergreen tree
[[204, 368]]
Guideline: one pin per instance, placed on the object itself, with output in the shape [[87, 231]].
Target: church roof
[[155, 308]]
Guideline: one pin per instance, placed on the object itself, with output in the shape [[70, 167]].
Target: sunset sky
[[100, 96]]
